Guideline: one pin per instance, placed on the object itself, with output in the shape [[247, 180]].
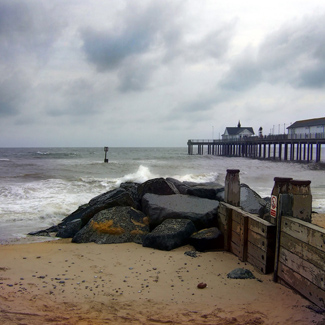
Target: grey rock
[[240, 273], [114, 225], [158, 186], [207, 239], [202, 212], [250, 201], [116, 197], [181, 187], [69, 229], [172, 233]]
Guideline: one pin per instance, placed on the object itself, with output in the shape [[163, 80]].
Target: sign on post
[[274, 203]]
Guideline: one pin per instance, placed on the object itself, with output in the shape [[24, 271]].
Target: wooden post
[[232, 187], [302, 199], [106, 159], [281, 186]]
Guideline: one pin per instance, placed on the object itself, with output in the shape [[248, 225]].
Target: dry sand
[[63, 283]]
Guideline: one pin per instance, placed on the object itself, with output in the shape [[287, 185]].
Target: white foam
[[141, 175], [197, 178]]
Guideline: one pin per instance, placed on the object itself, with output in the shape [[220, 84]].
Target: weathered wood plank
[[235, 237], [237, 215], [302, 285], [261, 227], [243, 238], [303, 250], [258, 264], [304, 231], [258, 253], [257, 239], [234, 248], [304, 268], [225, 224], [235, 227]]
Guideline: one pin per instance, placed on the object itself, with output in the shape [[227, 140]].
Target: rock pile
[[160, 213]]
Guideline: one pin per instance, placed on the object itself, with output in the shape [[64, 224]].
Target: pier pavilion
[[275, 147]]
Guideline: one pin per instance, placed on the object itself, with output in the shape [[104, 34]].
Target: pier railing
[[298, 147], [305, 136]]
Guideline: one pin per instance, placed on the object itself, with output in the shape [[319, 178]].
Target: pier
[[273, 147]]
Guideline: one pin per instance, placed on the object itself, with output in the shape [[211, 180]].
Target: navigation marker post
[[106, 150]]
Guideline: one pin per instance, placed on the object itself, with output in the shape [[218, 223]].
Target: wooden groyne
[[284, 242], [272, 147]]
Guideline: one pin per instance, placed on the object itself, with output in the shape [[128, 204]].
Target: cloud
[[136, 32], [292, 55], [146, 38], [27, 28]]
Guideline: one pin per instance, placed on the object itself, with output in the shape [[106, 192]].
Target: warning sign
[[273, 206]]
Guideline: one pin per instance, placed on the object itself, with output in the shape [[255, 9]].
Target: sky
[[91, 73]]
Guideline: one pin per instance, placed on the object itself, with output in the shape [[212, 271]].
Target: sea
[[41, 186]]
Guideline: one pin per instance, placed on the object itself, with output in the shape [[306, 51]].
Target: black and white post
[[106, 150]]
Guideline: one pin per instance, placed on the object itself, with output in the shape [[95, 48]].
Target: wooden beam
[[304, 231]]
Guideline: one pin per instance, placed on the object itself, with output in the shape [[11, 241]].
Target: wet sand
[[59, 282]]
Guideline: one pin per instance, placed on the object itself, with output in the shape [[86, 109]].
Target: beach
[[58, 282]]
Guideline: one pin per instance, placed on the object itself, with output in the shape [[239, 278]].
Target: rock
[[172, 233], [191, 253], [240, 273], [202, 285], [181, 187], [250, 201], [202, 212], [69, 229], [44, 232], [114, 225], [207, 239], [205, 190], [132, 189], [117, 197], [157, 186]]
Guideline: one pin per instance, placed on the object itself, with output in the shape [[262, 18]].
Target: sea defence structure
[[276, 147], [284, 242]]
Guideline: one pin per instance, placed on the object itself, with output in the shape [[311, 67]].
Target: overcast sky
[[156, 73]]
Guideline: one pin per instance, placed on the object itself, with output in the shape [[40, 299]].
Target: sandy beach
[[58, 282]]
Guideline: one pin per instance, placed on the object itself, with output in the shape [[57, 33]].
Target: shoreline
[[64, 283]]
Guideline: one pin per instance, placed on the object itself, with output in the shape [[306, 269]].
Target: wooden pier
[[276, 147]]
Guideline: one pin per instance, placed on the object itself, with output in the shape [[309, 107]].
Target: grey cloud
[[244, 75], [294, 54], [135, 75], [137, 31], [13, 87], [27, 27], [148, 38], [73, 98]]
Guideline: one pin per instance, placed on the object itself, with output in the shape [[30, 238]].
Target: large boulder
[[158, 186], [181, 186], [69, 229], [172, 233], [206, 190], [114, 225], [250, 201], [116, 197], [132, 189], [207, 239], [202, 212]]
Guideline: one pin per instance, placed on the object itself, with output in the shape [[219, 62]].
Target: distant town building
[[307, 129], [236, 133]]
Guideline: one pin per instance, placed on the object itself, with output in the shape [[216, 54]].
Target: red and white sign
[[274, 200]]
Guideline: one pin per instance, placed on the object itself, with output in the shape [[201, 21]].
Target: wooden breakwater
[[286, 243], [277, 147]]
